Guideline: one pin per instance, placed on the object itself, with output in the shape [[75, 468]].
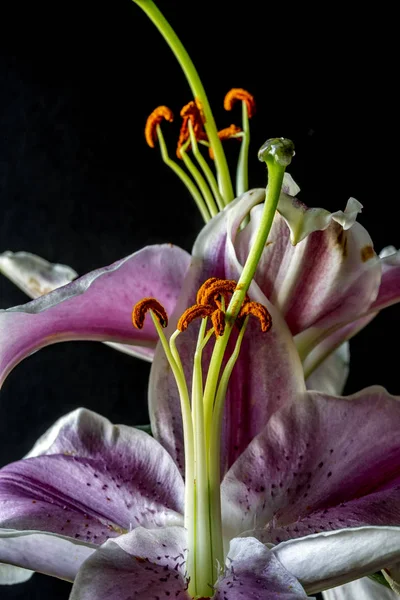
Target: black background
[[79, 185]]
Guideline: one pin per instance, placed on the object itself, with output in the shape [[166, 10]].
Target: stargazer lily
[[277, 482]]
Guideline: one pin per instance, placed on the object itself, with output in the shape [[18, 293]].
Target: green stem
[[197, 197], [275, 179], [198, 91]]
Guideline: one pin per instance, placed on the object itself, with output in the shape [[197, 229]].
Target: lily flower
[[260, 475], [276, 481]]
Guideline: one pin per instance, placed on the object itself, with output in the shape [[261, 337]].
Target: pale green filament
[[190, 499], [214, 454], [199, 179], [206, 169], [198, 91], [242, 173], [204, 557], [197, 197]]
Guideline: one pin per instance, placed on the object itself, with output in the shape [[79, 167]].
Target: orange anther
[[218, 321], [159, 114], [212, 290], [191, 111], [257, 310], [141, 308], [236, 94], [194, 312], [225, 134]]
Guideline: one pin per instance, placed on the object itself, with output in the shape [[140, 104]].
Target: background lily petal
[[332, 558], [10, 574], [361, 589], [44, 552], [97, 306], [331, 375], [33, 274]]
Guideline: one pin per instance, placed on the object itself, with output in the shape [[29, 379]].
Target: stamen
[[226, 134], [236, 94], [156, 117], [218, 321], [190, 112], [257, 310], [141, 308], [212, 289], [194, 312]]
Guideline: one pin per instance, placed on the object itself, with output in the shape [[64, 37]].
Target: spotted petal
[[151, 564], [313, 468], [89, 480], [97, 306]]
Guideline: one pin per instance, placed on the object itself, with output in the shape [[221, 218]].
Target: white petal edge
[[10, 574], [332, 558], [302, 220], [361, 589], [34, 275], [331, 375], [44, 552]]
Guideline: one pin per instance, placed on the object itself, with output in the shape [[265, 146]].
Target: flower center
[[202, 414]]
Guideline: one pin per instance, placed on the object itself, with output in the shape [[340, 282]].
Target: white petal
[[34, 275], [332, 558], [331, 375], [10, 574], [361, 589]]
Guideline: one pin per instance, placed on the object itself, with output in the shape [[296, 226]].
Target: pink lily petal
[[36, 276], [143, 564], [389, 290], [361, 589], [97, 306], [254, 572], [314, 468], [331, 277], [333, 558], [89, 480], [44, 552], [152, 564]]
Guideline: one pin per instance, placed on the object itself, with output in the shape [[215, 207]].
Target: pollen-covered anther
[[257, 310], [213, 289], [191, 111], [158, 115], [225, 134], [198, 311], [141, 308], [236, 94], [218, 321]]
